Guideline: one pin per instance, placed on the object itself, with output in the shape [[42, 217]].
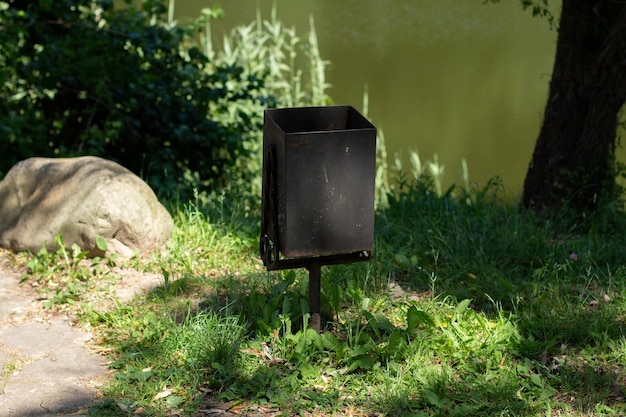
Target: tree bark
[[573, 164]]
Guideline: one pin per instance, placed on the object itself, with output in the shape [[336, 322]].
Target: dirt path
[[46, 365]]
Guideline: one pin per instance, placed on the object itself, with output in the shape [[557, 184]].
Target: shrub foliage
[[84, 78]]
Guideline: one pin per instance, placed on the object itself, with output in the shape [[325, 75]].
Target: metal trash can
[[319, 168]]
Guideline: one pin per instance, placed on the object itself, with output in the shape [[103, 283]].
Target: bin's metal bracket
[[274, 263]]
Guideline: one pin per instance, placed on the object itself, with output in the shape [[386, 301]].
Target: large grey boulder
[[81, 199]]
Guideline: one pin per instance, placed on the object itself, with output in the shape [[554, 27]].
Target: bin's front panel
[[329, 192]]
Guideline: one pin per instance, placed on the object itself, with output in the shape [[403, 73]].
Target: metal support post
[[315, 273]]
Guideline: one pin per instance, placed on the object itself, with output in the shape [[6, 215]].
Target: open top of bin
[[318, 119]]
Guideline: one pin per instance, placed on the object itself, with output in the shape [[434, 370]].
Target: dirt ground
[[49, 366]]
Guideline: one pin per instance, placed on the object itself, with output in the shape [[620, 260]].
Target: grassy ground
[[470, 307]]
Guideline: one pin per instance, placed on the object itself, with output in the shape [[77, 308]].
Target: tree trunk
[[573, 163]]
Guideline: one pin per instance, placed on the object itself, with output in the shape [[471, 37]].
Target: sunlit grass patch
[[470, 307]]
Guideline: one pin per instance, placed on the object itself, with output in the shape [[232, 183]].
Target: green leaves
[[101, 244], [416, 318], [212, 12], [540, 8], [65, 95]]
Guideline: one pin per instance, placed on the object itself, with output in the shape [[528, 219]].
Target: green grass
[[471, 307]]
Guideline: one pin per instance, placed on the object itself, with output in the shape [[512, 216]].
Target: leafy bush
[[83, 78]]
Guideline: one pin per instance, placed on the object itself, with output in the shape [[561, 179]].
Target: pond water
[[459, 79]]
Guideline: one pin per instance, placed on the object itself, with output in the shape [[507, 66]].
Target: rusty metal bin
[[319, 167]]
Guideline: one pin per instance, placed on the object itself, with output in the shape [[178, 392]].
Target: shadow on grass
[[567, 339], [303, 380], [263, 393]]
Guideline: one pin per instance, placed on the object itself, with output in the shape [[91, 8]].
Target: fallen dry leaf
[[163, 394], [124, 407]]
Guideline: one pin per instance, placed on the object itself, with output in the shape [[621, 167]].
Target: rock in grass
[[84, 200]]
